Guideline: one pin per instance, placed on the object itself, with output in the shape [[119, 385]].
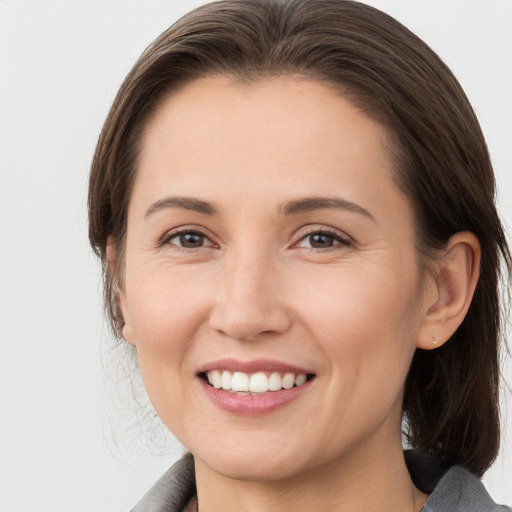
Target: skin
[[353, 313]]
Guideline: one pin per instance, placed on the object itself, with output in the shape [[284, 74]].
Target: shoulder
[[450, 489], [461, 490], [172, 491], [453, 489]]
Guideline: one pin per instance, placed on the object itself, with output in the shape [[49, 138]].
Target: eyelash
[[166, 239], [341, 241], [338, 241]]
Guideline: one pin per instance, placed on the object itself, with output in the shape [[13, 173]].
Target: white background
[[60, 66]]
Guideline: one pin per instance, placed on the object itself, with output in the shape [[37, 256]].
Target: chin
[[258, 463], [251, 471]]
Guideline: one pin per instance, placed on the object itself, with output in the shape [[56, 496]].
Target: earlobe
[[451, 290], [127, 330], [120, 296]]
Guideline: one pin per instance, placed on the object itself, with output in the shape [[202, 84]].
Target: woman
[[294, 206]]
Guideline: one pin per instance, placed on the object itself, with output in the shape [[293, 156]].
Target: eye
[[322, 240], [188, 240]]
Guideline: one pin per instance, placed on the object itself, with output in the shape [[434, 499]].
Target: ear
[[450, 290], [120, 295]]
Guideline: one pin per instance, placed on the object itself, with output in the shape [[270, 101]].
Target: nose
[[250, 303]]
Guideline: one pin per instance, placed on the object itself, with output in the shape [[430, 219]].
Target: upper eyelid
[[301, 233], [338, 241], [188, 232], [343, 240], [172, 233], [322, 229]]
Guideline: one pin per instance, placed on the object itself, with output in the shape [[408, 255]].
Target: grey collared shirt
[[452, 489]]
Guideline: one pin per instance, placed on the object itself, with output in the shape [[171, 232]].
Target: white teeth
[[300, 379], [288, 381], [216, 379], [258, 383], [225, 381], [274, 382], [239, 382], [255, 383]]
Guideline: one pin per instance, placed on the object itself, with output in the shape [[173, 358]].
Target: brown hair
[[442, 164]]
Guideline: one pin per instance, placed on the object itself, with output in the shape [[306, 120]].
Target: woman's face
[[267, 237]]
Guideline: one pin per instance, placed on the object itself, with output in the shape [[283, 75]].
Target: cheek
[[165, 304], [166, 310], [366, 322]]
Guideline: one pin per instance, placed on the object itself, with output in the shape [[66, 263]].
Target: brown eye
[[189, 240], [321, 240]]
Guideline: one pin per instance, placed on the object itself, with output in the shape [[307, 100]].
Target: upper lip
[[253, 366]]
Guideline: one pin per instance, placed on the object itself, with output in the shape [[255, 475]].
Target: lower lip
[[252, 405]]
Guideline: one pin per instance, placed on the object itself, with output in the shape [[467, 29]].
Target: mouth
[[257, 383], [252, 388]]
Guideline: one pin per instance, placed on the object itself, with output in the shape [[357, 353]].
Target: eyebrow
[[295, 207], [187, 203], [309, 204]]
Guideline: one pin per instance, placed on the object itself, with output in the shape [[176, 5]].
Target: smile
[[259, 382], [255, 387]]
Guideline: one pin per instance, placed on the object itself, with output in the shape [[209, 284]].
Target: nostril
[[249, 319]]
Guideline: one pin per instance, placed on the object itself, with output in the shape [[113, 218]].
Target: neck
[[356, 482]]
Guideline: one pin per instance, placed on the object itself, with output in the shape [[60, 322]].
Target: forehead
[[289, 124], [298, 104], [254, 147]]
